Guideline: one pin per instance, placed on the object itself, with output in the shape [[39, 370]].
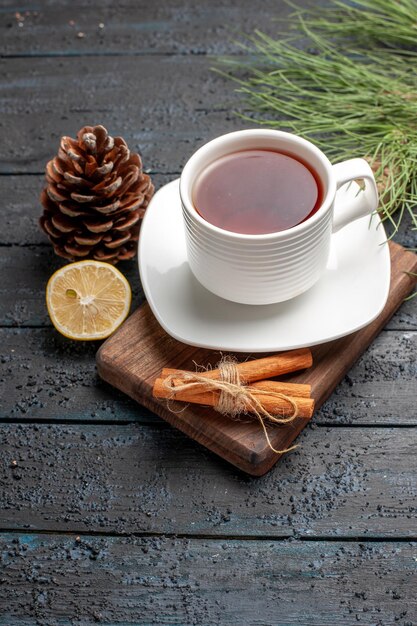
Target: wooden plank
[[341, 482], [25, 272], [135, 478], [162, 106], [131, 580], [241, 443], [381, 385], [20, 194], [47, 377], [167, 27]]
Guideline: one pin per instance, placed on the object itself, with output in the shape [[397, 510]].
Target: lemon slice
[[87, 300]]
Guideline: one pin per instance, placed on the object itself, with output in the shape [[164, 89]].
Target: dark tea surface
[[256, 192]]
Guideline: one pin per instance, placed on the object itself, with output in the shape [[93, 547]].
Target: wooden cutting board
[[133, 357]]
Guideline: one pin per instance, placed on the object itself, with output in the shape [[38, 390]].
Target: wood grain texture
[[164, 107], [134, 27], [49, 579], [25, 272], [130, 472], [26, 266], [341, 482], [20, 193], [47, 377], [241, 443]]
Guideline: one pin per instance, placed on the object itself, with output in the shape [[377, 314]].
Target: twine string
[[234, 397]]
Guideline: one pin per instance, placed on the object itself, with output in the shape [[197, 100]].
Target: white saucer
[[351, 293]]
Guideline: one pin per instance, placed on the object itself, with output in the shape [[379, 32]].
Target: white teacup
[[272, 267]]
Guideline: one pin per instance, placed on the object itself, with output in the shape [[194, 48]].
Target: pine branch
[[359, 101]]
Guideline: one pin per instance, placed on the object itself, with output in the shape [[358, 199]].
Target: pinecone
[[95, 197]]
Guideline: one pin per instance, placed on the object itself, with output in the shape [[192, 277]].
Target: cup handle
[[366, 201]]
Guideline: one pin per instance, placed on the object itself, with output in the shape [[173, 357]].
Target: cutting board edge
[[252, 462], [255, 463]]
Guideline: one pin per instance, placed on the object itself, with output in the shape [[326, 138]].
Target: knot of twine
[[234, 396]]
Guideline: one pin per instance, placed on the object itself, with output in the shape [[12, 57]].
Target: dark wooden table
[[108, 515]]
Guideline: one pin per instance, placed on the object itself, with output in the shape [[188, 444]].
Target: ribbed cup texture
[[258, 270]]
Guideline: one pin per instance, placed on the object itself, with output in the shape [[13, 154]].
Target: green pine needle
[[355, 102], [383, 23]]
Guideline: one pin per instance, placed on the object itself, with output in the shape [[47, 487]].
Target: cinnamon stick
[[289, 389], [274, 405], [268, 367]]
